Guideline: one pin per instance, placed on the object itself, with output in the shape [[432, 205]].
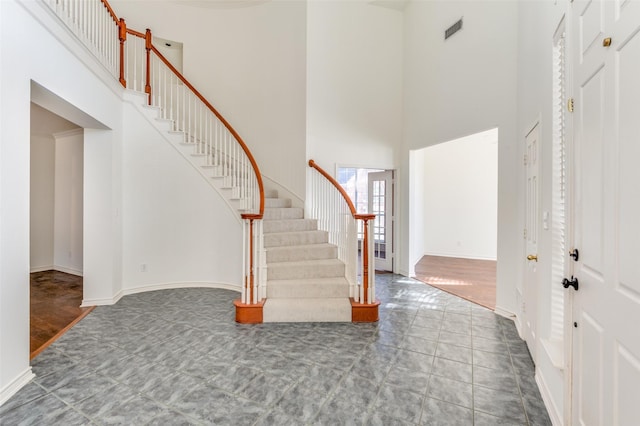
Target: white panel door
[[532, 217], [606, 216], [381, 204]]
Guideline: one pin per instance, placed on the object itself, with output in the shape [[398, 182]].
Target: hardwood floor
[[471, 279], [55, 307]]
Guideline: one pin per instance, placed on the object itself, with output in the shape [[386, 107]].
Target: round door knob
[[606, 42], [532, 257]]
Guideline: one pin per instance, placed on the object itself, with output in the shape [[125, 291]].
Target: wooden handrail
[[110, 10], [335, 183], [123, 31], [226, 124], [135, 33]]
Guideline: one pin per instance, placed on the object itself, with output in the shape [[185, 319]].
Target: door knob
[[532, 257], [606, 42], [575, 254], [573, 282]]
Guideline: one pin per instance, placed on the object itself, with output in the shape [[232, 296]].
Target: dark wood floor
[[55, 307], [471, 279]]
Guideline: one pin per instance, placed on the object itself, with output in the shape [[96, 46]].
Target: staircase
[[305, 279]]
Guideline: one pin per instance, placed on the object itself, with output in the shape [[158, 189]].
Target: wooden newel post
[[147, 46], [122, 36], [365, 255], [251, 283], [249, 309]]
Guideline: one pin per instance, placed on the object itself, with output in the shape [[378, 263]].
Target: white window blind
[[558, 211]]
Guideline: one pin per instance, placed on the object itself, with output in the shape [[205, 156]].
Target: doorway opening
[[171, 50], [372, 191], [454, 198], [56, 226]]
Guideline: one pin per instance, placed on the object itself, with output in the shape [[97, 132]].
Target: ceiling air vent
[[453, 29]]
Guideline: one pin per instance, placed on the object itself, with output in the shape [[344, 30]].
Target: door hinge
[[525, 159], [570, 105], [524, 233]]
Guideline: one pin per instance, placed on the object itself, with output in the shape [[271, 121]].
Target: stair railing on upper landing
[[328, 202], [135, 62]]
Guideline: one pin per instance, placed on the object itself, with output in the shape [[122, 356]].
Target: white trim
[[175, 285], [554, 414], [15, 385], [56, 268], [461, 256], [41, 268], [518, 323], [160, 286], [165, 134], [67, 270], [73, 132], [100, 302], [505, 313]]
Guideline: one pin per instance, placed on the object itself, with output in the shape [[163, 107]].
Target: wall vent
[[453, 29]]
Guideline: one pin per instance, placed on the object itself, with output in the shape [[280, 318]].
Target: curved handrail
[[233, 132], [335, 183], [111, 12], [226, 124]]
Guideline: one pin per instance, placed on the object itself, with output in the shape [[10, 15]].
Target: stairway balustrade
[[136, 63], [329, 203]]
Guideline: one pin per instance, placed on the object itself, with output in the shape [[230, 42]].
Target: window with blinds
[[559, 193]]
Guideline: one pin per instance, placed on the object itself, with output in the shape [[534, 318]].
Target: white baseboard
[[461, 256], [554, 415], [56, 268], [101, 302], [504, 313], [174, 285], [41, 268], [15, 385], [154, 287], [67, 270]]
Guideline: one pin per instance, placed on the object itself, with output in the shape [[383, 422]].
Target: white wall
[[142, 202], [174, 222], [68, 202], [26, 49], [458, 87], [43, 126], [354, 84], [250, 63], [537, 24], [461, 197]]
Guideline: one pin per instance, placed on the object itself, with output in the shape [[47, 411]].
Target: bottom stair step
[[307, 310]]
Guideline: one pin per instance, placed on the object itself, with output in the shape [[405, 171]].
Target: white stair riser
[[271, 226], [295, 238], [307, 310], [293, 289], [291, 271], [277, 202], [283, 213]]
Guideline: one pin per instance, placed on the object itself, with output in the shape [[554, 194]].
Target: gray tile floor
[[177, 357]]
